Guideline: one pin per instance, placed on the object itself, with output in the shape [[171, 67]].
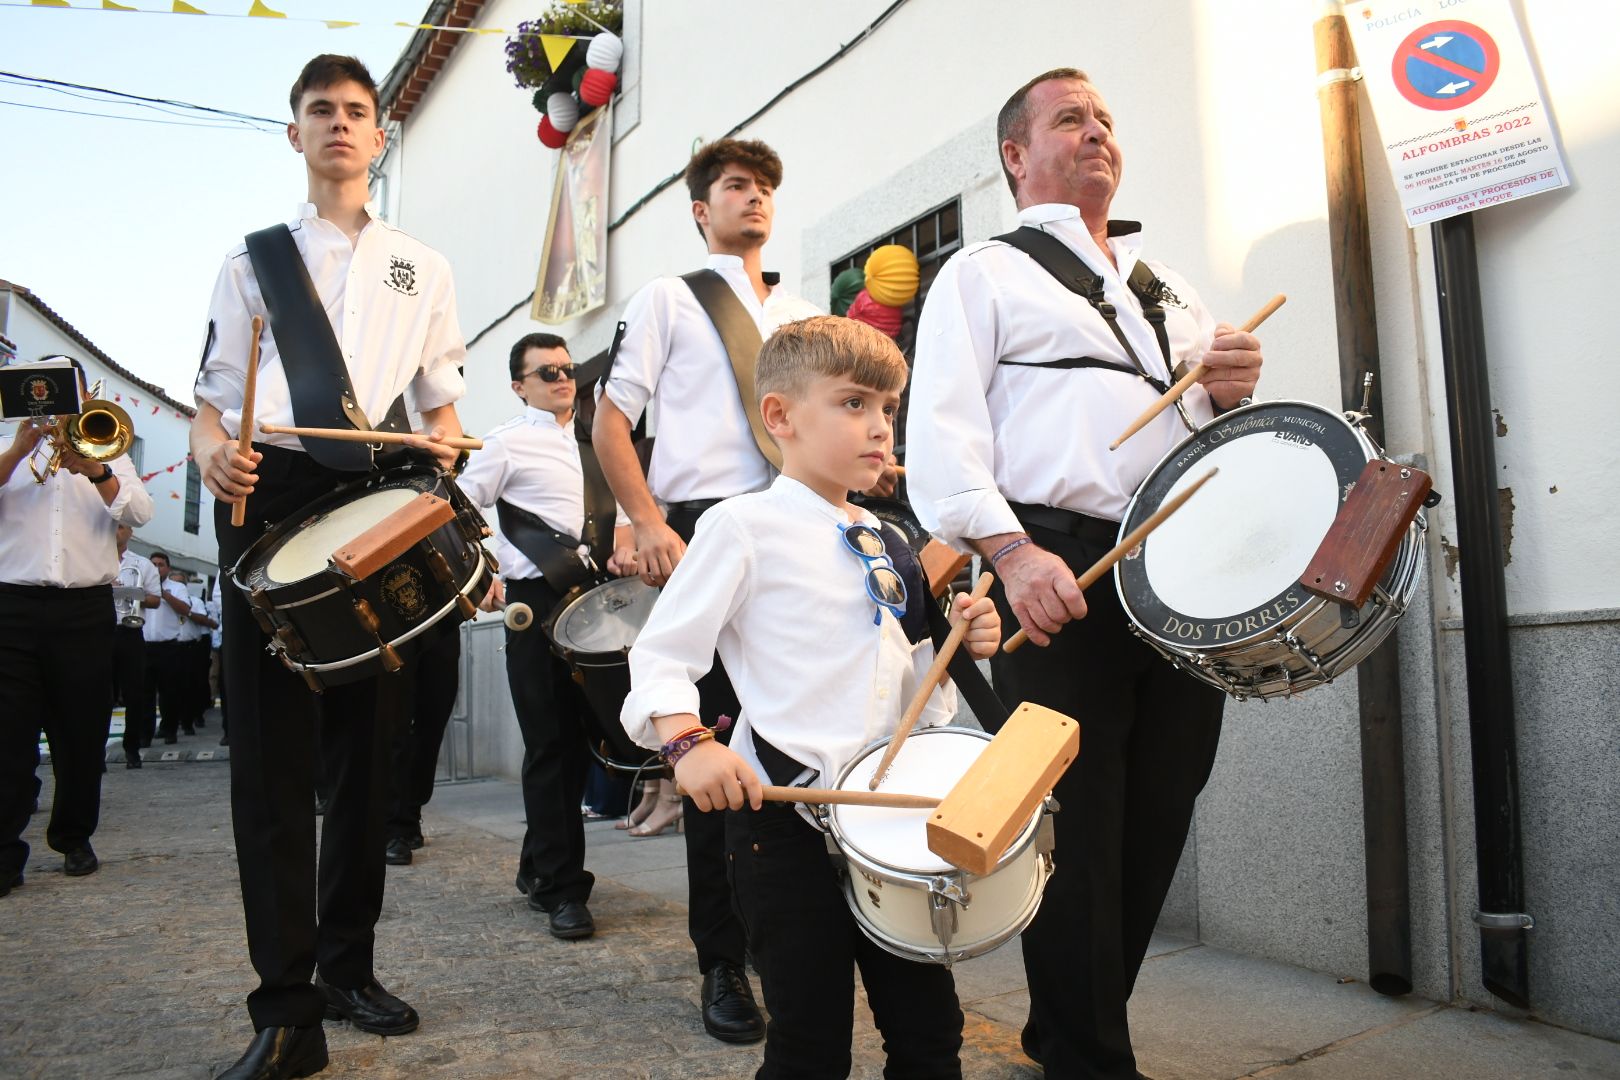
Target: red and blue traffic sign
[[1446, 65]]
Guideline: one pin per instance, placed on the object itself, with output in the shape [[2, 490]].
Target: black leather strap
[[741, 339], [555, 553]]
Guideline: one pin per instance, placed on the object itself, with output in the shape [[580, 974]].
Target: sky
[[121, 225]]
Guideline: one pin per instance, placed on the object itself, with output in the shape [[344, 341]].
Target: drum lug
[[943, 889], [264, 621], [1046, 831], [312, 680], [466, 607], [289, 640], [1312, 661], [944, 897], [440, 568], [390, 658], [366, 617]]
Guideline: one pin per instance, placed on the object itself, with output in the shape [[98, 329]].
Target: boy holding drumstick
[[816, 612]]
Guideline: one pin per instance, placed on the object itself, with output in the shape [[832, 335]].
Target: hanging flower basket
[[526, 59]]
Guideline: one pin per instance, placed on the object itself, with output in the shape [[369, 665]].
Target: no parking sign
[[1457, 104]]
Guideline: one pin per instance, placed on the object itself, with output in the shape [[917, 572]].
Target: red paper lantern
[[879, 316], [550, 136], [597, 87]]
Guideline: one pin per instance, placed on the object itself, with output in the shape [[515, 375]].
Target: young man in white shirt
[[58, 559], [816, 637], [391, 306], [670, 355], [1019, 386], [533, 470], [135, 571], [165, 654]]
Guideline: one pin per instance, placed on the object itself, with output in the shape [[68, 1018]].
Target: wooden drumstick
[[1119, 550], [1184, 383], [833, 796], [393, 438], [936, 675], [244, 429]]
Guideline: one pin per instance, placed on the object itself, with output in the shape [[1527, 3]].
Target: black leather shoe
[[170, 740], [132, 762], [398, 853], [80, 861], [571, 920], [1029, 1040], [729, 1012], [415, 841], [278, 1052], [370, 1008]]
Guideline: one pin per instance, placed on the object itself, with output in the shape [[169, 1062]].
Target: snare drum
[[1216, 588], [904, 897], [592, 628], [335, 629]]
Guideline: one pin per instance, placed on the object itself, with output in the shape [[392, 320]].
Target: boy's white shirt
[[769, 583]]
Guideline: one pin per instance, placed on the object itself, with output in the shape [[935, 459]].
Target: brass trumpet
[[99, 431]]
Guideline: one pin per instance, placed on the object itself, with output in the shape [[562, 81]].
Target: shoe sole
[[573, 935], [731, 1037], [82, 873], [334, 1013]]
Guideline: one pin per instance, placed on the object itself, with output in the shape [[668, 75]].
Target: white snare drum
[[909, 900], [1216, 587]]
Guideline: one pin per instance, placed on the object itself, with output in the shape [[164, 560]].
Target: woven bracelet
[[678, 748], [1018, 543]]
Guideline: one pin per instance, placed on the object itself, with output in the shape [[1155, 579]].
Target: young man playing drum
[[1020, 386], [801, 593], [531, 469], [392, 311]]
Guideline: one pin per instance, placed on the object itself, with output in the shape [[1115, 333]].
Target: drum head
[[604, 619], [1227, 564], [930, 763], [304, 550]]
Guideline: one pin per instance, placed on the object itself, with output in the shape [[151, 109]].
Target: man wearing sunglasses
[[533, 470]]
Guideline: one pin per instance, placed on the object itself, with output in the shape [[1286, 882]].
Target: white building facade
[[1217, 113]]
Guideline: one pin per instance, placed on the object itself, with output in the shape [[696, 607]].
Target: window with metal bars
[[193, 522]]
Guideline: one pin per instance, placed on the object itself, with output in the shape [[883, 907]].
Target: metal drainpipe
[[1503, 925], [1378, 678]]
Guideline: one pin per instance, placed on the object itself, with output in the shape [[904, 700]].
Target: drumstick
[[244, 429], [351, 435], [936, 675], [829, 796], [1119, 550], [1193, 375]]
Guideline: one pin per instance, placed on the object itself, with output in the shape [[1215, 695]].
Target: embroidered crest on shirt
[[402, 589], [401, 276]]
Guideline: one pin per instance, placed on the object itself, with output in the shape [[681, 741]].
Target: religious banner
[[573, 261]]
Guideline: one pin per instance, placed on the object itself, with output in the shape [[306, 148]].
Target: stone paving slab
[[141, 969]]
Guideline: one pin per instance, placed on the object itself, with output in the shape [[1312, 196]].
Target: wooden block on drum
[[984, 813], [393, 536], [940, 565], [1366, 533]]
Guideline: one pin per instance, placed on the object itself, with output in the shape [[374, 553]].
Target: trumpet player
[[58, 559], [135, 571]]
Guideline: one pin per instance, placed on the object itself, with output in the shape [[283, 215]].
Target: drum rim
[[900, 875], [1307, 608], [572, 599], [945, 954]]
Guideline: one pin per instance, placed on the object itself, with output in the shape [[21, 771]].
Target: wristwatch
[[107, 474]]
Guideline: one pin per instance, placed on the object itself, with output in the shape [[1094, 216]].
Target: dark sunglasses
[[883, 583], [553, 372]]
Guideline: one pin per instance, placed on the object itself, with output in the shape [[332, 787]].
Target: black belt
[[42, 591], [1068, 522], [690, 506]]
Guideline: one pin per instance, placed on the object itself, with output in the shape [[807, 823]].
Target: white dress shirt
[[391, 303], [136, 571], [60, 533], [215, 607], [980, 433], [672, 356], [163, 623], [532, 462], [770, 584], [192, 630]]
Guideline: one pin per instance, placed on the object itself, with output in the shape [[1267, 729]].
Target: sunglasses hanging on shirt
[[883, 583]]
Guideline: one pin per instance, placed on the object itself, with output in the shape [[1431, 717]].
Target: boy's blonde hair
[[827, 346]]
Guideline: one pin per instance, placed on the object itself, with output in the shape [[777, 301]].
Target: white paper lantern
[[604, 52], [563, 110]]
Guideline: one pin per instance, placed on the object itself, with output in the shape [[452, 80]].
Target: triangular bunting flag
[[556, 49], [108, 5], [260, 11], [339, 24], [52, 3], [183, 8]]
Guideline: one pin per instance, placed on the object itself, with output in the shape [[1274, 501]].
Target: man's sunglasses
[[553, 372], [884, 585]]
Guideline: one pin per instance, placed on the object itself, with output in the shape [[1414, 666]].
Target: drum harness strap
[[1055, 257], [317, 378], [742, 342], [555, 552]]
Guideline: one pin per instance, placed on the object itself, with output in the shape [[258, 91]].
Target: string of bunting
[[261, 10], [147, 477]]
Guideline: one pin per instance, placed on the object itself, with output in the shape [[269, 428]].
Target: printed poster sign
[[1457, 104], [573, 262]]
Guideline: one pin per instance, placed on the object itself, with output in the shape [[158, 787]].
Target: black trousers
[[1148, 735], [199, 654], [711, 916], [300, 917], [166, 685], [129, 686], [418, 734], [806, 946], [551, 714], [55, 674]]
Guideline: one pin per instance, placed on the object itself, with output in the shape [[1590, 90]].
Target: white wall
[[165, 437]]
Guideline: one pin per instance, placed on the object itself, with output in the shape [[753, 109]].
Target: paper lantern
[[891, 275], [604, 52], [844, 289], [549, 135], [882, 317], [539, 100], [597, 86], [563, 111]]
